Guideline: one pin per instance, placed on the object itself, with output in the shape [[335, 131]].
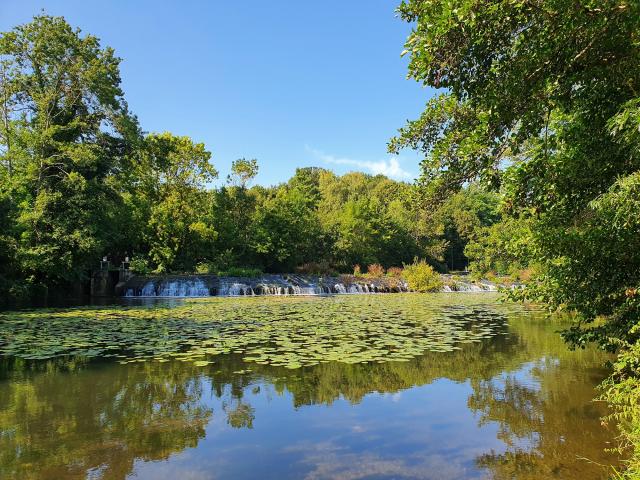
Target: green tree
[[171, 176], [233, 210], [65, 131], [286, 232], [242, 172], [464, 217], [502, 248], [540, 99]]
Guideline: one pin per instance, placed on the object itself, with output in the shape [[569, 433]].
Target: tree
[[242, 172], [540, 99], [65, 131], [464, 217], [233, 210], [502, 248], [286, 232], [172, 173]]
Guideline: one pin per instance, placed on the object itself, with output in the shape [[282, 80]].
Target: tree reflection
[[63, 424], [545, 413], [239, 414], [65, 419]]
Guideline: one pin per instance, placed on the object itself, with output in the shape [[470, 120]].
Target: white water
[[173, 288], [204, 286]]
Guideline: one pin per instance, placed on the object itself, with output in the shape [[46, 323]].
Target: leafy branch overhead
[[540, 101]]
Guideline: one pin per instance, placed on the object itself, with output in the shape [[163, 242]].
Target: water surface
[[487, 391]]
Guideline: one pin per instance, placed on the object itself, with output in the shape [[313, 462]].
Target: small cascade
[[232, 289], [149, 290], [470, 287], [191, 287], [278, 285]]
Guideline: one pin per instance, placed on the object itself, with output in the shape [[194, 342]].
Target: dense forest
[[80, 180]]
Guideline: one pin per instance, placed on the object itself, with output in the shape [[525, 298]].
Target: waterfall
[[232, 289], [278, 285], [171, 288], [149, 290], [189, 288]]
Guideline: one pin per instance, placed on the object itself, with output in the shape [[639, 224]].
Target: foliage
[[316, 268], [540, 100], [501, 249], [375, 270], [466, 216], [282, 221], [240, 272], [66, 129], [140, 265], [622, 392], [242, 172], [172, 172], [210, 268], [394, 272], [421, 277]]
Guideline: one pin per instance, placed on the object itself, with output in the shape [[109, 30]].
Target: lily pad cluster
[[289, 332]]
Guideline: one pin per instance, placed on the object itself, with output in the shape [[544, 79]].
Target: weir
[[275, 285]]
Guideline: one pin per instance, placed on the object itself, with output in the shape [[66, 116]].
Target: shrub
[[375, 270], [346, 280], [139, 265], [316, 268], [394, 272], [421, 277], [212, 268], [241, 272], [205, 267], [357, 272]]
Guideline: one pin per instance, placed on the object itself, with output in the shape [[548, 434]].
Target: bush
[[140, 265], [241, 272], [421, 277], [375, 270], [204, 268], [316, 268], [211, 268], [357, 272], [395, 272], [346, 280]]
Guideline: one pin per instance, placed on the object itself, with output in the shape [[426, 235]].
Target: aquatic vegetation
[[289, 332], [527, 382]]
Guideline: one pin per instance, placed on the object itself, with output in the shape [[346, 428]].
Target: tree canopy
[[539, 100], [80, 180]]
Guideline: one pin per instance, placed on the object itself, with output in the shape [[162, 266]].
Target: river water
[[497, 395]]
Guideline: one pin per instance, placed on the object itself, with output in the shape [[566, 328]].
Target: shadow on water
[[514, 406]]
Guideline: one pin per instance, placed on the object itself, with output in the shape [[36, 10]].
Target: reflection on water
[[516, 406]]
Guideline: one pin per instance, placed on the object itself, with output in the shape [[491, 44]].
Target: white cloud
[[391, 167]]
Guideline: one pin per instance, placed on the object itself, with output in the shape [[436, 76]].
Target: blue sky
[[291, 83]]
